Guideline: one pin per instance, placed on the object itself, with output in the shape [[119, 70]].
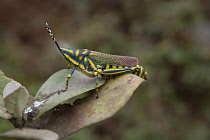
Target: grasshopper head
[[69, 56]]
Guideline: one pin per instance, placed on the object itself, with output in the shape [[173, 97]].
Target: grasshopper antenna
[[51, 35]]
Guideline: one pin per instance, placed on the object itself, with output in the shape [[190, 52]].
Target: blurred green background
[[170, 38]]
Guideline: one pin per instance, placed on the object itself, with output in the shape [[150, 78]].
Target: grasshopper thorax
[[74, 56]]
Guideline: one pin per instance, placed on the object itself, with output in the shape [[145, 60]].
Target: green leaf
[[28, 133], [113, 95], [48, 97], [3, 82], [15, 99]]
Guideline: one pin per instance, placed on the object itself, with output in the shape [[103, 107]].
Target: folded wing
[[103, 58]]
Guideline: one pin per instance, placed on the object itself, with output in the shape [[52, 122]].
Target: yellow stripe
[[71, 51], [95, 73], [140, 72], [82, 66], [99, 70], [85, 59], [107, 66], [117, 72], [69, 75], [77, 53], [133, 68], [87, 71], [91, 63], [70, 59], [115, 69], [84, 52]]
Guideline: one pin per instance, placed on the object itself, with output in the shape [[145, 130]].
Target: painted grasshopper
[[97, 63]]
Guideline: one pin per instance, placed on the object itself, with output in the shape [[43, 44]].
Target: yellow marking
[[99, 70], [82, 66], [140, 72], [80, 58], [133, 68], [70, 59], [69, 75], [116, 69], [71, 51], [113, 66], [77, 53], [120, 67], [91, 63], [88, 71], [107, 66], [95, 73], [84, 52], [116, 72], [85, 59]]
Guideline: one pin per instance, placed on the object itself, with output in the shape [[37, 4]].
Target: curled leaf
[[15, 99], [113, 95], [3, 82], [49, 94], [3, 111]]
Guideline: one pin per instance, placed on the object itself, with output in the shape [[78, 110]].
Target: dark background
[[170, 38]]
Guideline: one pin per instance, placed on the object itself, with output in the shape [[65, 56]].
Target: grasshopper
[[97, 63]]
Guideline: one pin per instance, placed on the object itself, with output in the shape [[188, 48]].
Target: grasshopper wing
[[103, 58]]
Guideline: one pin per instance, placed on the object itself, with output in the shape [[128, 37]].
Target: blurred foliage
[[169, 37]]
